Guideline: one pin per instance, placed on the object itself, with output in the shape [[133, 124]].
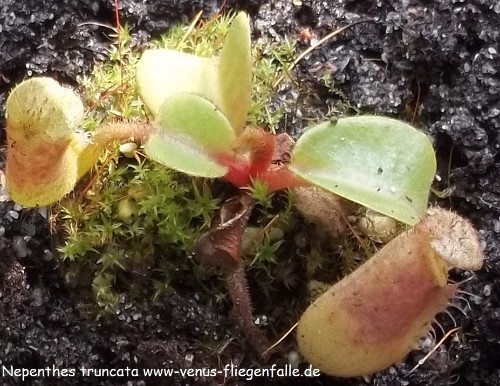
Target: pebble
[[487, 290], [496, 226], [42, 211], [4, 193], [48, 255], [293, 359], [20, 247], [37, 298], [188, 360]]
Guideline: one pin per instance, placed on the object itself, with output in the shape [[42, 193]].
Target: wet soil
[[435, 64]]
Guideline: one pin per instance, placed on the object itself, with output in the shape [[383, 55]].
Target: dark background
[[436, 64]]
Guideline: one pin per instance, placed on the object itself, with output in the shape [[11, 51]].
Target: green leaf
[[224, 81], [162, 73], [381, 163], [199, 119], [235, 67], [193, 132]]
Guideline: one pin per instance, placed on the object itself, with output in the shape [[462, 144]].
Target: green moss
[[165, 212], [271, 62], [130, 226], [110, 92]]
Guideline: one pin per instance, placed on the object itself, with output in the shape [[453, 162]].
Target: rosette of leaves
[[201, 106], [201, 103]]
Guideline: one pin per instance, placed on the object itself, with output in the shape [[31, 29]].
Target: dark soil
[[436, 64]]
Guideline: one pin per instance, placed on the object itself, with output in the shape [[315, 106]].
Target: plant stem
[[242, 308], [120, 131]]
